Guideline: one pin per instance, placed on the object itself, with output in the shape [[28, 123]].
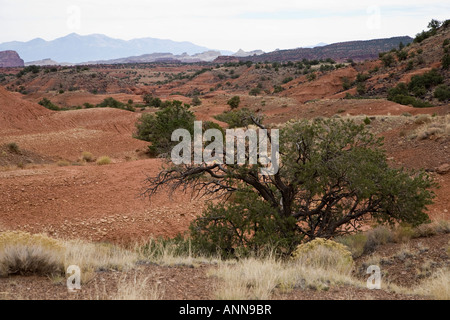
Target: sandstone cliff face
[[10, 59]]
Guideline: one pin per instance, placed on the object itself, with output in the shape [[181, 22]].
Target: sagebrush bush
[[103, 160], [87, 156], [356, 243], [378, 236], [24, 253], [324, 254], [13, 147]]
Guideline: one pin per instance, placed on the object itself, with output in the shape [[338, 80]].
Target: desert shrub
[[346, 84], [49, 105], [378, 236], [196, 101], [356, 243], [442, 92], [402, 55], [361, 77], [234, 102], [278, 89], [446, 61], [427, 80], [111, 103], [254, 91], [287, 79], [104, 160], [408, 100], [63, 163], [324, 254], [87, 156], [361, 88], [158, 128], [421, 119], [311, 76], [13, 147], [387, 59], [403, 233], [237, 118], [24, 253], [400, 94], [151, 101]]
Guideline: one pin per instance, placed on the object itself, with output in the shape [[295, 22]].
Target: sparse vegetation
[[234, 102], [103, 160]]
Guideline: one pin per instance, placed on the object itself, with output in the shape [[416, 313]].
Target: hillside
[[355, 50]]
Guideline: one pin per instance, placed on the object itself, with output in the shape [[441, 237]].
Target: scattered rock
[[443, 169]]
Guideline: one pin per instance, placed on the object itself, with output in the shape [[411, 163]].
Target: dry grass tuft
[[24, 253], [137, 289], [437, 287], [257, 278], [104, 160]]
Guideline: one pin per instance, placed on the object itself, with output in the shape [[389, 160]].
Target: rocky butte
[[10, 59]]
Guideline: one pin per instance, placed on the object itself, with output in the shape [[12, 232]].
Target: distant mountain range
[[75, 48], [356, 50]]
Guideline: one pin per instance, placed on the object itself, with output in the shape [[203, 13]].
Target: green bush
[[355, 243], [158, 128], [427, 80], [104, 160], [196, 101], [49, 105], [387, 59], [346, 84], [237, 118], [442, 93], [446, 61], [13, 147], [255, 91], [234, 102], [287, 79]]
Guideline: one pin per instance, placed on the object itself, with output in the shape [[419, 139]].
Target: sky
[[221, 24]]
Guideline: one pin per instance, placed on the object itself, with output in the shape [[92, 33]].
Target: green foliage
[[287, 79], [418, 86], [367, 121], [427, 80], [311, 76], [278, 89], [361, 77], [254, 91], [333, 175], [196, 101], [388, 59], [237, 118], [446, 61], [234, 102], [355, 243], [158, 128], [346, 84], [13, 147], [245, 226], [49, 105], [110, 103], [361, 89], [151, 101], [442, 93], [402, 55]]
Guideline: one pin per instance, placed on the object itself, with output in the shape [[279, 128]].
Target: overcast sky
[[221, 24]]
